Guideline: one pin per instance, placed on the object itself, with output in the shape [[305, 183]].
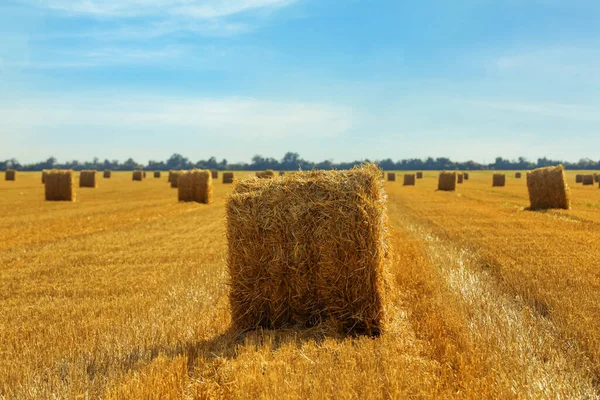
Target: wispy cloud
[[227, 117], [202, 9]]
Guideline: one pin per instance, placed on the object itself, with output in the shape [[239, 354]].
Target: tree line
[[292, 161]]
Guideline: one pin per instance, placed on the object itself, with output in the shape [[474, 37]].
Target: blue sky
[[341, 80]]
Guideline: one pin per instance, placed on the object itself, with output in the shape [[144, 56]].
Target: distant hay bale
[[588, 180], [44, 173], [107, 174], [195, 185], [175, 178], [88, 179], [227, 177], [578, 178], [518, 175], [157, 174], [214, 173], [409, 179], [138, 175], [548, 188], [459, 178], [466, 176], [10, 175], [170, 175], [309, 247], [144, 174], [268, 174], [419, 175], [596, 177], [391, 177], [499, 180], [447, 181], [60, 185]]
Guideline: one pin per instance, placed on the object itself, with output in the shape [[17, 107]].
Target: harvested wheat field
[[125, 294]]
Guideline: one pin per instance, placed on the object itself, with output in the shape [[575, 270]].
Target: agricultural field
[[124, 295]]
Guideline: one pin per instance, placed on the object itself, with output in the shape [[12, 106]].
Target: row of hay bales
[[587, 179]]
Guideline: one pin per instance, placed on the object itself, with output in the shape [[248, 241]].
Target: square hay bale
[[419, 175], [157, 174], [307, 248], [214, 173], [578, 178], [195, 185], [518, 175], [410, 179], [588, 180], [107, 174], [268, 174], [548, 188], [459, 178], [10, 175], [44, 174], [88, 179], [227, 177], [391, 177], [466, 176], [174, 178], [60, 185], [499, 180], [138, 175], [447, 181]]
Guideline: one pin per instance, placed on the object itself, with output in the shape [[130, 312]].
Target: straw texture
[[548, 188], [60, 185], [447, 181], [195, 185], [88, 179], [10, 175], [309, 247], [227, 177], [499, 180]]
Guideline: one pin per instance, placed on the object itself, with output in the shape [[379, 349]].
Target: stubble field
[[123, 294]]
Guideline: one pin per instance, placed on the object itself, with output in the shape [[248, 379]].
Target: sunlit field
[[123, 295]]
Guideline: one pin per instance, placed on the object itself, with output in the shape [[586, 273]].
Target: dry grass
[[493, 301]]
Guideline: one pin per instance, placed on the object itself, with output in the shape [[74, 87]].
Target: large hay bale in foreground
[[214, 173], [588, 180], [548, 188], [419, 175], [10, 175], [268, 174], [309, 247], [578, 178], [107, 174], [409, 179], [60, 185], [499, 180], [391, 177], [227, 177], [459, 178], [88, 179], [157, 174], [195, 185], [518, 175], [138, 175], [447, 181]]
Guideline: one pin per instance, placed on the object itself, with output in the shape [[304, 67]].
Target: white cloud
[[202, 9], [228, 117]]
